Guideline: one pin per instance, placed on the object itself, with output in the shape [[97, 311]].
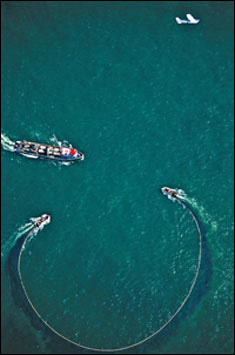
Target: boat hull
[[43, 151]]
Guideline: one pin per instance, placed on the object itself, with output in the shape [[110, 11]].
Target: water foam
[[7, 143], [63, 143], [10, 242], [201, 211]]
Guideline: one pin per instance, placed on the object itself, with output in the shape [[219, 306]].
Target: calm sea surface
[[150, 104]]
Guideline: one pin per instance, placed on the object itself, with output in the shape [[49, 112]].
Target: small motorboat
[[44, 219], [44, 151], [190, 20], [169, 192]]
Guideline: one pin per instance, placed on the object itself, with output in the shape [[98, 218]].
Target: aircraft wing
[[190, 17]]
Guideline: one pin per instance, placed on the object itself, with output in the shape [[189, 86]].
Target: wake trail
[[9, 243], [7, 143], [201, 211]]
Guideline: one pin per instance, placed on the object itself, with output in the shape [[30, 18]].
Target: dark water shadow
[[54, 343], [16, 288], [200, 290], [59, 346]]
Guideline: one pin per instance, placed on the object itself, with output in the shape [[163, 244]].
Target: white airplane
[[190, 20]]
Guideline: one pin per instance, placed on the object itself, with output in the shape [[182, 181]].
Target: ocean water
[[150, 104]]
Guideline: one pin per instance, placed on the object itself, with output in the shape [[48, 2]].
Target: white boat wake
[[7, 143], [201, 211]]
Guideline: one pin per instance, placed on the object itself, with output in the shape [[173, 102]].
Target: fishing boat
[[44, 219], [169, 192], [44, 151]]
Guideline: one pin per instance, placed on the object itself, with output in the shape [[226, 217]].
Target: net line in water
[[27, 238]]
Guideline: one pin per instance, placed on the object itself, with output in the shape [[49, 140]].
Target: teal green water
[[150, 103]]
